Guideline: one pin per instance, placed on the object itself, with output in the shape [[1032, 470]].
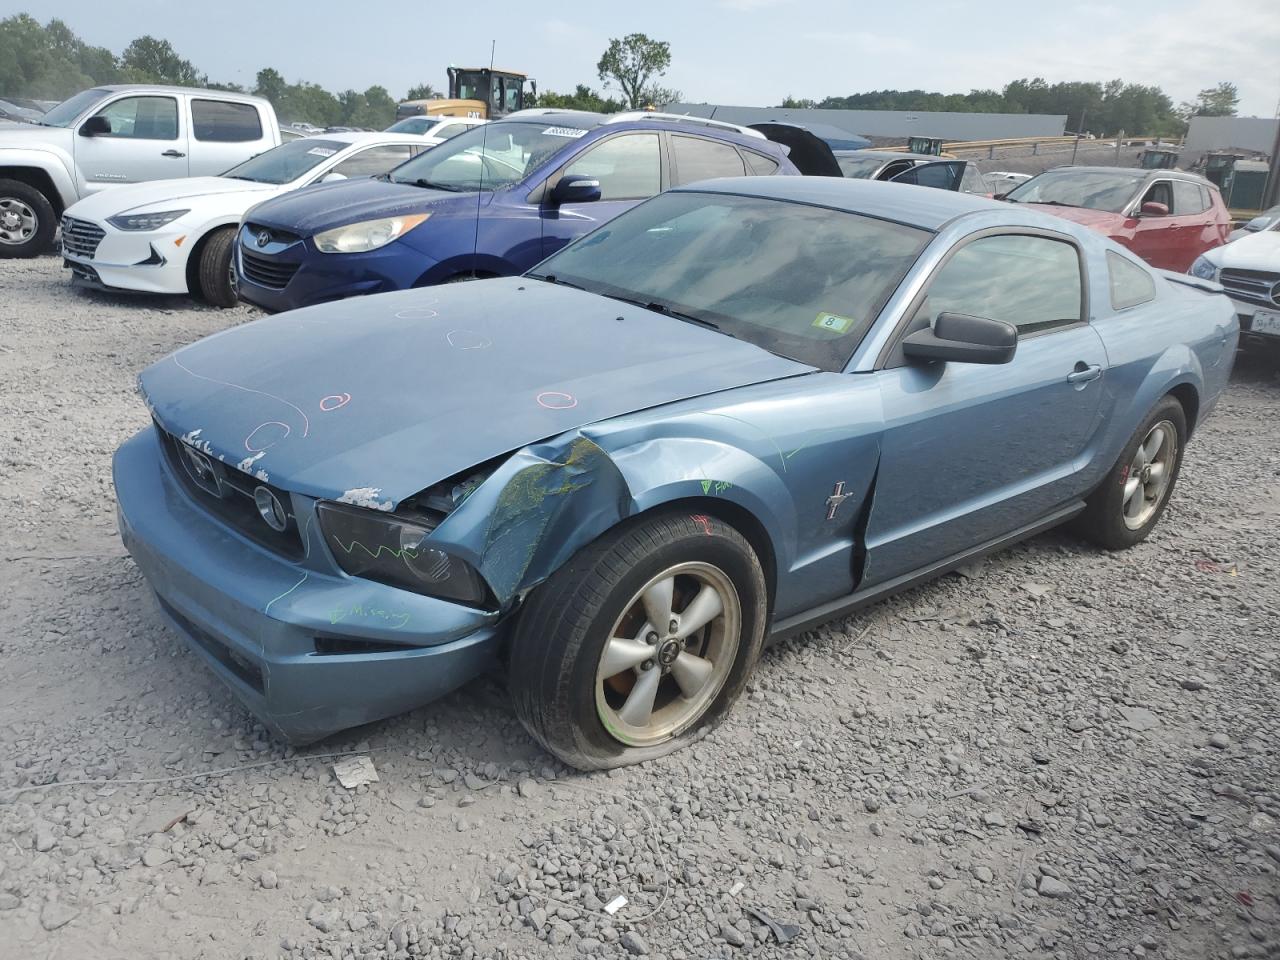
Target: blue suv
[[492, 201]]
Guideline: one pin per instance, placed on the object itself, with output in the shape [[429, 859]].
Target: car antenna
[[484, 140]]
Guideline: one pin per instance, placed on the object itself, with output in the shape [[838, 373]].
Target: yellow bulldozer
[[480, 92]]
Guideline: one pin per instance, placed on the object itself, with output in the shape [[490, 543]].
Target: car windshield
[[1107, 190], [286, 162], [414, 125], [801, 281], [860, 168], [487, 157], [65, 113]]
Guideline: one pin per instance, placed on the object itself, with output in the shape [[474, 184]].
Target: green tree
[[582, 98], [155, 61], [423, 91], [632, 63], [1219, 101]]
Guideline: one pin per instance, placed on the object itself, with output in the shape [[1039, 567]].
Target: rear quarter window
[[216, 121], [1130, 284], [760, 165]]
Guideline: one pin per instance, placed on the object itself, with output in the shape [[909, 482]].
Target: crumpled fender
[[56, 163], [549, 500]]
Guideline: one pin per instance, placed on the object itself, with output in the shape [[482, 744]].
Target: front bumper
[[321, 277], [1245, 311], [145, 262], [268, 627]]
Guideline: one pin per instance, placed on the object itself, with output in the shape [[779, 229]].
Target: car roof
[[171, 88], [361, 136], [1139, 172], [587, 120], [913, 205]]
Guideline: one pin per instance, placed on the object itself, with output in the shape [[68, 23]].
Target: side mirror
[[999, 196], [575, 189], [333, 176], [95, 127], [959, 338], [1152, 209], [1258, 224]]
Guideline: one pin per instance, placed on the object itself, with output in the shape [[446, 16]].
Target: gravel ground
[[1060, 753]]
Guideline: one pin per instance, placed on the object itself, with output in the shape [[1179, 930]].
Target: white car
[[174, 236], [1249, 271], [435, 129]]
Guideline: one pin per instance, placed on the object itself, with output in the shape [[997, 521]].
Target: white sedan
[[435, 129], [1249, 271], [174, 236]]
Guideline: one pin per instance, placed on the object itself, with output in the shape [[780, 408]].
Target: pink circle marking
[[555, 400], [254, 432], [334, 401]]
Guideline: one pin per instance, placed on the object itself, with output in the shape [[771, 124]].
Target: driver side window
[[1159, 192], [628, 167], [142, 118], [1031, 282]]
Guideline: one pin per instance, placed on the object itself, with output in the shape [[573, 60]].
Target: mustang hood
[[372, 399], [328, 205]]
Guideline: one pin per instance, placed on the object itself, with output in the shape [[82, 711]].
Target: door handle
[[1083, 373], [173, 153]]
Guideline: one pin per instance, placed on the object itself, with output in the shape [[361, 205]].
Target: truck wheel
[[215, 269], [27, 220], [641, 642], [1133, 497]]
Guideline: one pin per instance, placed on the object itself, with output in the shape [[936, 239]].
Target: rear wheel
[[27, 220], [216, 283], [640, 642], [1133, 497]]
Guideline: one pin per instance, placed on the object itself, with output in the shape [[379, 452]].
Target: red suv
[[1167, 217]]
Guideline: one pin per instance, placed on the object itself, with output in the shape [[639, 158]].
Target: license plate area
[[1266, 321]]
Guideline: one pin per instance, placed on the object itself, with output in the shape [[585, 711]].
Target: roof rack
[[539, 111], [685, 118]]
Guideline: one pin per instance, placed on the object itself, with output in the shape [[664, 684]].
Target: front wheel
[[216, 278], [639, 643], [1133, 497], [27, 220]]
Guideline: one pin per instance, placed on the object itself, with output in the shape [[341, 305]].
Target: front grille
[[266, 271], [227, 493], [1255, 286], [80, 238]]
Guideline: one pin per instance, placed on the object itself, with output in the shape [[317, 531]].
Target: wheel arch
[[196, 251], [38, 178], [1187, 395]]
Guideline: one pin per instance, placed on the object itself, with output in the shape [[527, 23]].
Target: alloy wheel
[[1149, 474], [17, 221], [669, 654]]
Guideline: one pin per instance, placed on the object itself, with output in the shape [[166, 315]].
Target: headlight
[[1204, 268], [392, 550], [366, 236], [145, 221]]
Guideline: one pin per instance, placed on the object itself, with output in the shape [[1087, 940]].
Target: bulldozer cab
[[931, 146], [498, 91], [1158, 159]]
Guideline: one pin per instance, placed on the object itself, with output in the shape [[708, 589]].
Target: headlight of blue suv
[[144, 221], [1204, 269], [397, 551], [367, 235]]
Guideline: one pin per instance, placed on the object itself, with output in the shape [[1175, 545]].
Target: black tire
[[15, 195], [561, 633], [215, 269], [1103, 519]]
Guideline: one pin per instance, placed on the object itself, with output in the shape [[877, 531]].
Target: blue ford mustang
[[741, 409], [492, 201]]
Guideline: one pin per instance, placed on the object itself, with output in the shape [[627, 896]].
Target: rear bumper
[[255, 617]]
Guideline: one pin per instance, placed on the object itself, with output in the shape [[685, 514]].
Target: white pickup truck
[[119, 134]]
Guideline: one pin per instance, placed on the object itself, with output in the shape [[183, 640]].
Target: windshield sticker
[[833, 322], [573, 133], [321, 152]]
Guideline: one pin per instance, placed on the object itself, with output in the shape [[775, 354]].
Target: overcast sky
[[746, 52]]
